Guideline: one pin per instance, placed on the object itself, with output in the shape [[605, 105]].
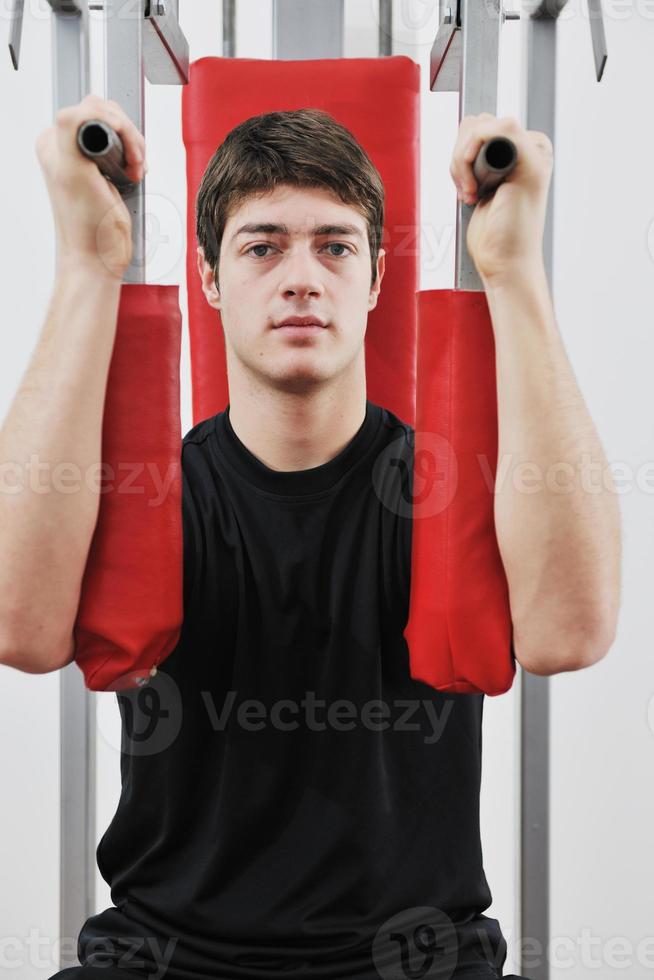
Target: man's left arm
[[556, 510]]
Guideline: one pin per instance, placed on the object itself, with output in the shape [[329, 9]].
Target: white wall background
[[602, 738]]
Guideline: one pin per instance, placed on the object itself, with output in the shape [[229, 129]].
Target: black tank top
[[293, 802]]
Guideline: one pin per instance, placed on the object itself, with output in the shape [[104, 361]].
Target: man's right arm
[[51, 438], [50, 445]]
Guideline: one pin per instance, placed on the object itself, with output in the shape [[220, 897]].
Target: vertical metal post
[[385, 28], [540, 102], [481, 21], [77, 806], [534, 924], [539, 112], [162, 52], [124, 82], [465, 57], [70, 48], [303, 29], [481, 24], [229, 28]]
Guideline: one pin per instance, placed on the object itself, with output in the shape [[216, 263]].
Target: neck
[[292, 431]]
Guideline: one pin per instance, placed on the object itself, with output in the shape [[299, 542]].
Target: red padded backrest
[[221, 93], [459, 628]]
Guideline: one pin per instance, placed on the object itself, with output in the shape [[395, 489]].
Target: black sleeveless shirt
[[293, 803]]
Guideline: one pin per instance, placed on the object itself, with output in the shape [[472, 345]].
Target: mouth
[[300, 322], [302, 327], [300, 330]]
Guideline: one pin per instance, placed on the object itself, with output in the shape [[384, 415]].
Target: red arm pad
[[459, 629], [131, 605]]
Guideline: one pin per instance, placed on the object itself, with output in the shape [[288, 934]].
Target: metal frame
[[539, 39], [124, 82], [385, 39], [144, 41], [229, 28], [465, 58], [467, 61], [303, 29], [539, 112]]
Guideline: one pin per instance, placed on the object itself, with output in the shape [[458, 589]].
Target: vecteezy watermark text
[[126, 477]]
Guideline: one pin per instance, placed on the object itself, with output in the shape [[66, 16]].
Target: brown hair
[[304, 147]]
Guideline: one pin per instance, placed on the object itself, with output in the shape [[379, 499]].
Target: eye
[[338, 245], [252, 247], [329, 245]]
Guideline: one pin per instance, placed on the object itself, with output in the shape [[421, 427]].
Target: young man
[[316, 800], [299, 805]]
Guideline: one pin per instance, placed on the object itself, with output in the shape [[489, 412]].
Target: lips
[[301, 321]]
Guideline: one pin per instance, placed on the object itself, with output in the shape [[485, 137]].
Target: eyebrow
[[267, 228]]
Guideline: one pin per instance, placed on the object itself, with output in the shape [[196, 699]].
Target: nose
[[301, 273]]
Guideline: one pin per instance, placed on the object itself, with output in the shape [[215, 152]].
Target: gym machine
[[464, 58]]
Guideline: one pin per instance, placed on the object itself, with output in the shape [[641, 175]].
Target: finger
[[541, 141], [131, 137], [69, 119], [470, 142], [132, 129], [44, 141], [467, 127]]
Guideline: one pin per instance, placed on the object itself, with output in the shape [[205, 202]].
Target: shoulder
[[392, 472], [395, 426], [398, 436], [199, 432], [197, 456]]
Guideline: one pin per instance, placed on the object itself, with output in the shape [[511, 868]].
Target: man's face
[[266, 276]]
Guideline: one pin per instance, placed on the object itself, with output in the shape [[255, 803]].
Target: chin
[[299, 381]]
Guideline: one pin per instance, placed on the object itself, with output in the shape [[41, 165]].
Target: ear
[[208, 281], [374, 292]]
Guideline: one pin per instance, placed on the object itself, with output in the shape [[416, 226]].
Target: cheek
[[245, 332]]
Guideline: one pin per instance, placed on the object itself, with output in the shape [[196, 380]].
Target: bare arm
[[51, 438], [49, 444], [556, 509], [558, 530]]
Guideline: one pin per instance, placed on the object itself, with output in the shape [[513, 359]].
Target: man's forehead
[[296, 211]]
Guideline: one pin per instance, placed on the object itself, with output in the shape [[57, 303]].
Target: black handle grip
[[100, 142], [494, 162]]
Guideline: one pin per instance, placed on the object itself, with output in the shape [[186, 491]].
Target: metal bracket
[[464, 58], [550, 10], [151, 45], [165, 48]]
